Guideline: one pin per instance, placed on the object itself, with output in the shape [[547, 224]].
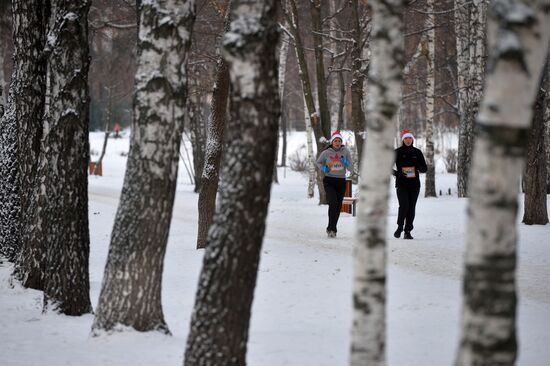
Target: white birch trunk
[[131, 288], [369, 297], [430, 101], [462, 59], [283, 55], [518, 40], [470, 23], [310, 156]]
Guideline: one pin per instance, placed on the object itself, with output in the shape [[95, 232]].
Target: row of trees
[[519, 42], [44, 156], [445, 57], [45, 229]]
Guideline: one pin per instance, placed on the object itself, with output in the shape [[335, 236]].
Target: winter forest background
[[133, 133]]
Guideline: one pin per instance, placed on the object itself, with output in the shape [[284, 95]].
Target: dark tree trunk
[[341, 101], [535, 209], [9, 188], [214, 146], [64, 157], [228, 277], [131, 290], [293, 21], [197, 127], [317, 28], [5, 22], [25, 112], [357, 115]]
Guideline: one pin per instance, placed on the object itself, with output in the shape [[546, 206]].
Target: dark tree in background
[[112, 42], [228, 277], [214, 146]]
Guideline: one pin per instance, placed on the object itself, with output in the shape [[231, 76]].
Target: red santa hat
[[405, 134], [336, 135]]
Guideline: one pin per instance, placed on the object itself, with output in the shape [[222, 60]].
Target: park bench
[[351, 201]]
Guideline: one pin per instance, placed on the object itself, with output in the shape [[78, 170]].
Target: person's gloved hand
[[326, 169], [344, 161]]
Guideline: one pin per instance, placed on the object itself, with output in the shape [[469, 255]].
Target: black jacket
[[409, 162]]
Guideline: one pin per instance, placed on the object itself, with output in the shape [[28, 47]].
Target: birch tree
[[470, 22], [214, 145], [63, 161], [358, 76], [221, 316], [5, 10], [429, 50], [369, 263], [293, 21], [22, 130], [131, 289], [535, 208], [283, 56], [518, 39], [311, 170]]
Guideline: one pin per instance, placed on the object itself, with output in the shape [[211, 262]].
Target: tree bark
[[283, 56], [131, 289], [311, 169], [317, 28], [357, 115], [547, 126], [518, 40], [24, 118], [197, 136], [470, 22], [214, 145], [291, 15], [429, 47], [535, 208], [220, 321], [369, 263], [9, 187], [2, 79], [64, 161]]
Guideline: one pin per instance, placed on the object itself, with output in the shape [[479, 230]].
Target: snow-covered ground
[[302, 305]]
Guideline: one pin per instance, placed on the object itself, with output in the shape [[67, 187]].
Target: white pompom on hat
[[405, 134], [336, 135]]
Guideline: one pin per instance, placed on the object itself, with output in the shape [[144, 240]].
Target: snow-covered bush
[[298, 160]]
